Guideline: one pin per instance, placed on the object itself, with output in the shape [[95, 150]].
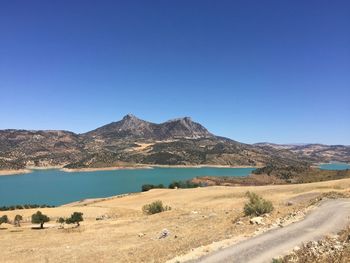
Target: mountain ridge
[[132, 141]]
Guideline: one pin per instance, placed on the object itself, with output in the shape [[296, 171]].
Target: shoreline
[[204, 166], [30, 169], [150, 166], [70, 170], [14, 172]]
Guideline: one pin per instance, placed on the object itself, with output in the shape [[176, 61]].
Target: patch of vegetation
[[183, 184], [61, 221], [4, 219], [301, 173], [155, 207], [164, 158], [285, 172], [75, 218], [147, 187], [317, 175], [40, 218], [26, 206], [11, 165], [17, 220], [257, 205]]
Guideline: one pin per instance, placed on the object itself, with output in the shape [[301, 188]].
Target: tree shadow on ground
[[37, 228]]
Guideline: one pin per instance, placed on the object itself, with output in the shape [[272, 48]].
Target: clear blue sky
[[253, 71]]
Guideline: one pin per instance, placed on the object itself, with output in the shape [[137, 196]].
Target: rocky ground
[[333, 248]]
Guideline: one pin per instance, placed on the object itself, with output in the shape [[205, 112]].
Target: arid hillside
[[132, 141]]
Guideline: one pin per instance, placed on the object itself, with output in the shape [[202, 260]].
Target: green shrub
[[183, 184], [257, 205], [155, 207], [26, 206], [147, 187], [4, 219], [75, 218], [276, 260]]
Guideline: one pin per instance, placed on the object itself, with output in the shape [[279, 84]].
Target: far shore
[[29, 169]]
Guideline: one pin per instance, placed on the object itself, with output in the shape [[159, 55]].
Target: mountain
[[131, 127], [133, 141]]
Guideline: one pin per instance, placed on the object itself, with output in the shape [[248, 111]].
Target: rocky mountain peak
[[130, 117], [132, 127]]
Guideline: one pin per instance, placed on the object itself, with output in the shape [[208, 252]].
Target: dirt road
[[330, 217]]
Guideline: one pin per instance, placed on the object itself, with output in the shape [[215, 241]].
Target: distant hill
[[315, 153], [132, 141]]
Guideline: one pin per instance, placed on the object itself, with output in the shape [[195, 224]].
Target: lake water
[[334, 166], [55, 187]]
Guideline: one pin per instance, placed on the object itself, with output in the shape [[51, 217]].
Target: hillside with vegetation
[[132, 141]]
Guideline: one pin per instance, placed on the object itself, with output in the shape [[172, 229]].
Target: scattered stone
[[165, 233], [141, 234], [103, 217], [212, 215], [256, 220], [239, 223]]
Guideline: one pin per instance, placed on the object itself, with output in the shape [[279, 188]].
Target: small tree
[[17, 220], [39, 218], [61, 221], [147, 187], [257, 205], [75, 218], [4, 219]]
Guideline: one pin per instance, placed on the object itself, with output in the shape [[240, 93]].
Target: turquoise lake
[[55, 187], [334, 166]]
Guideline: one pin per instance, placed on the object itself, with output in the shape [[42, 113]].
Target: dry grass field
[[198, 218]]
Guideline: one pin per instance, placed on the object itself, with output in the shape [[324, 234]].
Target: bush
[[61, 221], [4, 219], [75, 218], [155, 207], [147, 187], [183, 184], [17, 220], [26, 206], [277, 260], [257, 205]]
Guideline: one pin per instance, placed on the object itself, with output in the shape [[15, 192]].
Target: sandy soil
[[204, 165], [105, 169], [121, 167], [198, 218], [14, 172], [148, 166]]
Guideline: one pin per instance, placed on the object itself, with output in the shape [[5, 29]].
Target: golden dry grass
[[198, 217]]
